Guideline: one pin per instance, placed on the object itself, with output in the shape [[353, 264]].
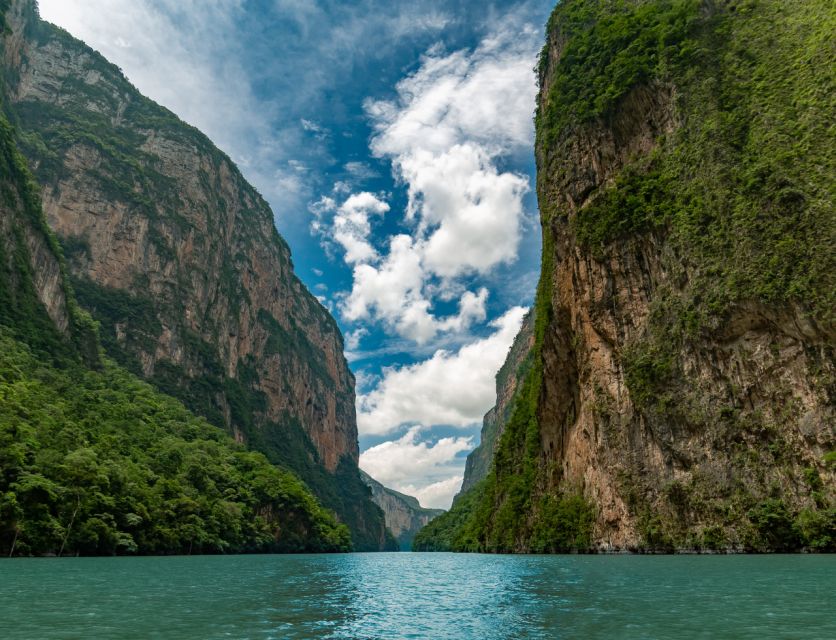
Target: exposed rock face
[[27, 259], [508, 381], [178, 257], [745, 412], [404, 514]]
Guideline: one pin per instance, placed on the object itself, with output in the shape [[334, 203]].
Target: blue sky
[[394, 142]]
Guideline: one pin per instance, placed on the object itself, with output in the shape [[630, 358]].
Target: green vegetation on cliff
[[509, 379], [284, 443], [741, 192], [404, 514], [20, 308], [97, 462], [744, 187], [611, 47]]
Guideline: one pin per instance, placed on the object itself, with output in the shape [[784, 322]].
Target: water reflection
[[407, 596]]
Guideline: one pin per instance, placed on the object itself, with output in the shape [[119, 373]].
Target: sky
[[393, 140]]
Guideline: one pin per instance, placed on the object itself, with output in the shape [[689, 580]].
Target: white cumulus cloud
[[450, 388], [438, 495], [446, 134], [485, 96], [351, 226], [394, 292], [453, 120], [471, 214], [353, 339]]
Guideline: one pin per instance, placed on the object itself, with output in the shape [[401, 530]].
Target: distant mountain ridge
[[508, 380], [404, 514]]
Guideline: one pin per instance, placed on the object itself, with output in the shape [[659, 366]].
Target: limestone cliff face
[[404, 514], [670, 434], [508, 381], [178, 257], [36, 303], [20, 236]]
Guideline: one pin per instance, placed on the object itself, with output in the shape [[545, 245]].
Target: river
[[419, 595]]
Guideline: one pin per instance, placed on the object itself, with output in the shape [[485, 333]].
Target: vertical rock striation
[[36, 302]]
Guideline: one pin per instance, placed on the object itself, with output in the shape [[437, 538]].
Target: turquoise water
[[416, 595]]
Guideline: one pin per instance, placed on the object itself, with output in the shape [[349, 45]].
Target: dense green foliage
[[611, 46], [780, 529], [97, 462], [287, 444], [745, 186], [445, 533], [284, 442]]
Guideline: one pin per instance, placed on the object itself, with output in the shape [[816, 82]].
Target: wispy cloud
[[352, 228], [452, 121], [360, 170], [189, 56], [171, 60]]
